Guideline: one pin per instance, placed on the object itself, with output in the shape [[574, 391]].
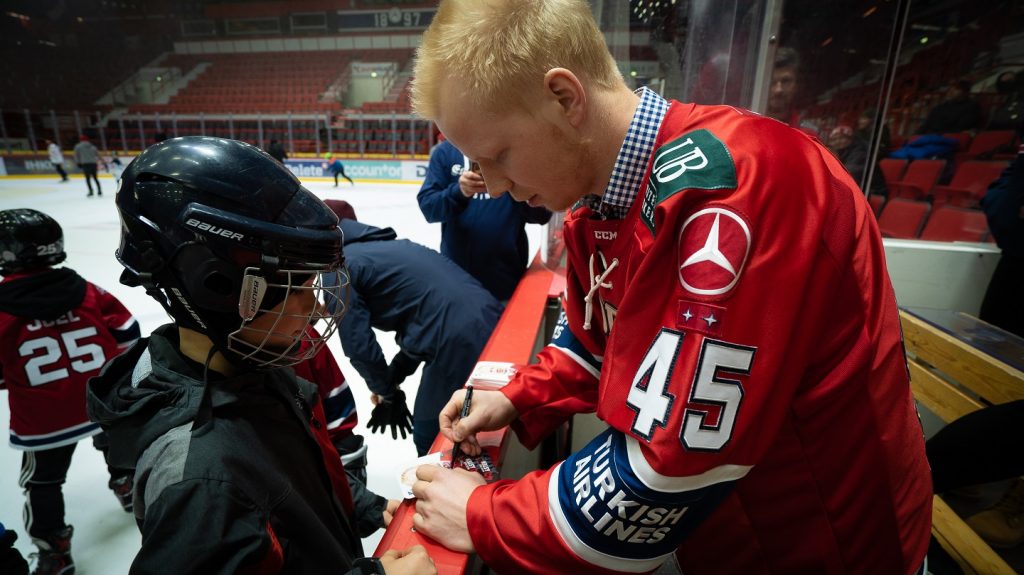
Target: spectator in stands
[[336, 168], [730, 420], [985, 446], [41, 305], [851, 151], [958, 112], [57, 159], [276, 151], [441, 316], [1009, 113], [865, 126], [87, 157], [782, 94], [485, 236], [1003, 204]]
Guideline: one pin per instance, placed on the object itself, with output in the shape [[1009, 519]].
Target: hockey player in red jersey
[[56, 331], [728, 314]]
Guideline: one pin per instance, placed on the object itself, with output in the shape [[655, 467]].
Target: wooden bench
[[951, 378]]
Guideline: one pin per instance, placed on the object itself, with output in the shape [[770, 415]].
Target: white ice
[[106, 538]]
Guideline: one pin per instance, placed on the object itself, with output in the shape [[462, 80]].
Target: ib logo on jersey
[[713, 248]]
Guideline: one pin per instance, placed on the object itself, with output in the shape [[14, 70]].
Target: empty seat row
[[910, 219], [918, 180]]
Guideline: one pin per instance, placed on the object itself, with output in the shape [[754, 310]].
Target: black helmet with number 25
[[223, 236], [29, 239]]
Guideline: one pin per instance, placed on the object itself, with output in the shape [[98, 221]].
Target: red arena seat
[[917, 182], [950, 224], [968, 184], [892, 169], [903, 218]]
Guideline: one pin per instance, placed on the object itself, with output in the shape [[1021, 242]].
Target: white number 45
[[651, 401]]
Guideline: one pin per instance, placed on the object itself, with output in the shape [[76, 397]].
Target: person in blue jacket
[[485, 236], [441, 316]]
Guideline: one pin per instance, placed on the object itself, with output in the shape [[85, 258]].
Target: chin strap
[[205, 413]]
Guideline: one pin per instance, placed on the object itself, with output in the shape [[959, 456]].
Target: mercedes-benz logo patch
[[713, 248]]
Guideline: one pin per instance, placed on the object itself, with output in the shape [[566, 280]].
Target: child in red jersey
[[56, 331]]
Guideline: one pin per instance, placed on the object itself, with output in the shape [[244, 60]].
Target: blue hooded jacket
[[486, 236], [439, 313]]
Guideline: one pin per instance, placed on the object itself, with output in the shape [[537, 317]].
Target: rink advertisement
[[410, 171], [27, 164], [23, 165], [407, 171]]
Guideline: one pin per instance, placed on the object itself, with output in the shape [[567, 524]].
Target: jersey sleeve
[[335, 393], [440, 198], [562, 383], [602, 510], [120, 322], [360, 345]]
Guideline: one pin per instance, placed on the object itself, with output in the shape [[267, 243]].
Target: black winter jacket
[[247, 490]]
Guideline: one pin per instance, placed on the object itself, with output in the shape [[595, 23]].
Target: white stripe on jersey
[[337, 390], [591, 369], [70, 429], [586, 552], [669, 484], [126, 325]]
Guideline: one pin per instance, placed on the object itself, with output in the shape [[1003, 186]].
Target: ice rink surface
[[106, 538]]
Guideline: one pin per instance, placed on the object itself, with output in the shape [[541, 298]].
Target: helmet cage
[[288, 339]]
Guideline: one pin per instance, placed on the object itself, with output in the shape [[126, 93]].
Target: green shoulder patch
[[696, 160]]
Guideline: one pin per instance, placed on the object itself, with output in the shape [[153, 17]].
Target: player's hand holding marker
[[489, 410]]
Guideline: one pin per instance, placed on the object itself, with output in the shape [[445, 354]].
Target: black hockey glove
[[11, 560], [391, 412]]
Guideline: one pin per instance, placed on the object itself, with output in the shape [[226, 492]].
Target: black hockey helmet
[[29, 239], [220, 234]]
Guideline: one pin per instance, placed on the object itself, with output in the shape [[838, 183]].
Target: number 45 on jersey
[[650, 400]]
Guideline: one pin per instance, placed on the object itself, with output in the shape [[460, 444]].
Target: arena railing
[[523, 329], [353, 133]]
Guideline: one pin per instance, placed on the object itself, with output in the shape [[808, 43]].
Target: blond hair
[[499, 50]]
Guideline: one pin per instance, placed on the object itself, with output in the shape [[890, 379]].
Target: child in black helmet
[[234, 467], [56, 331]]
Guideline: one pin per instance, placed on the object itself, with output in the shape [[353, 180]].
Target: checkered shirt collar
[[631, 163]]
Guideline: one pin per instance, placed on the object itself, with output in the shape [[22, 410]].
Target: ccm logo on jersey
[[212, 229], [713, 247], [605, 235]]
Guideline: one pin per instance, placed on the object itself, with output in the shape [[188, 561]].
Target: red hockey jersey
[[738, 333], [45, 364], [335, 393]]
